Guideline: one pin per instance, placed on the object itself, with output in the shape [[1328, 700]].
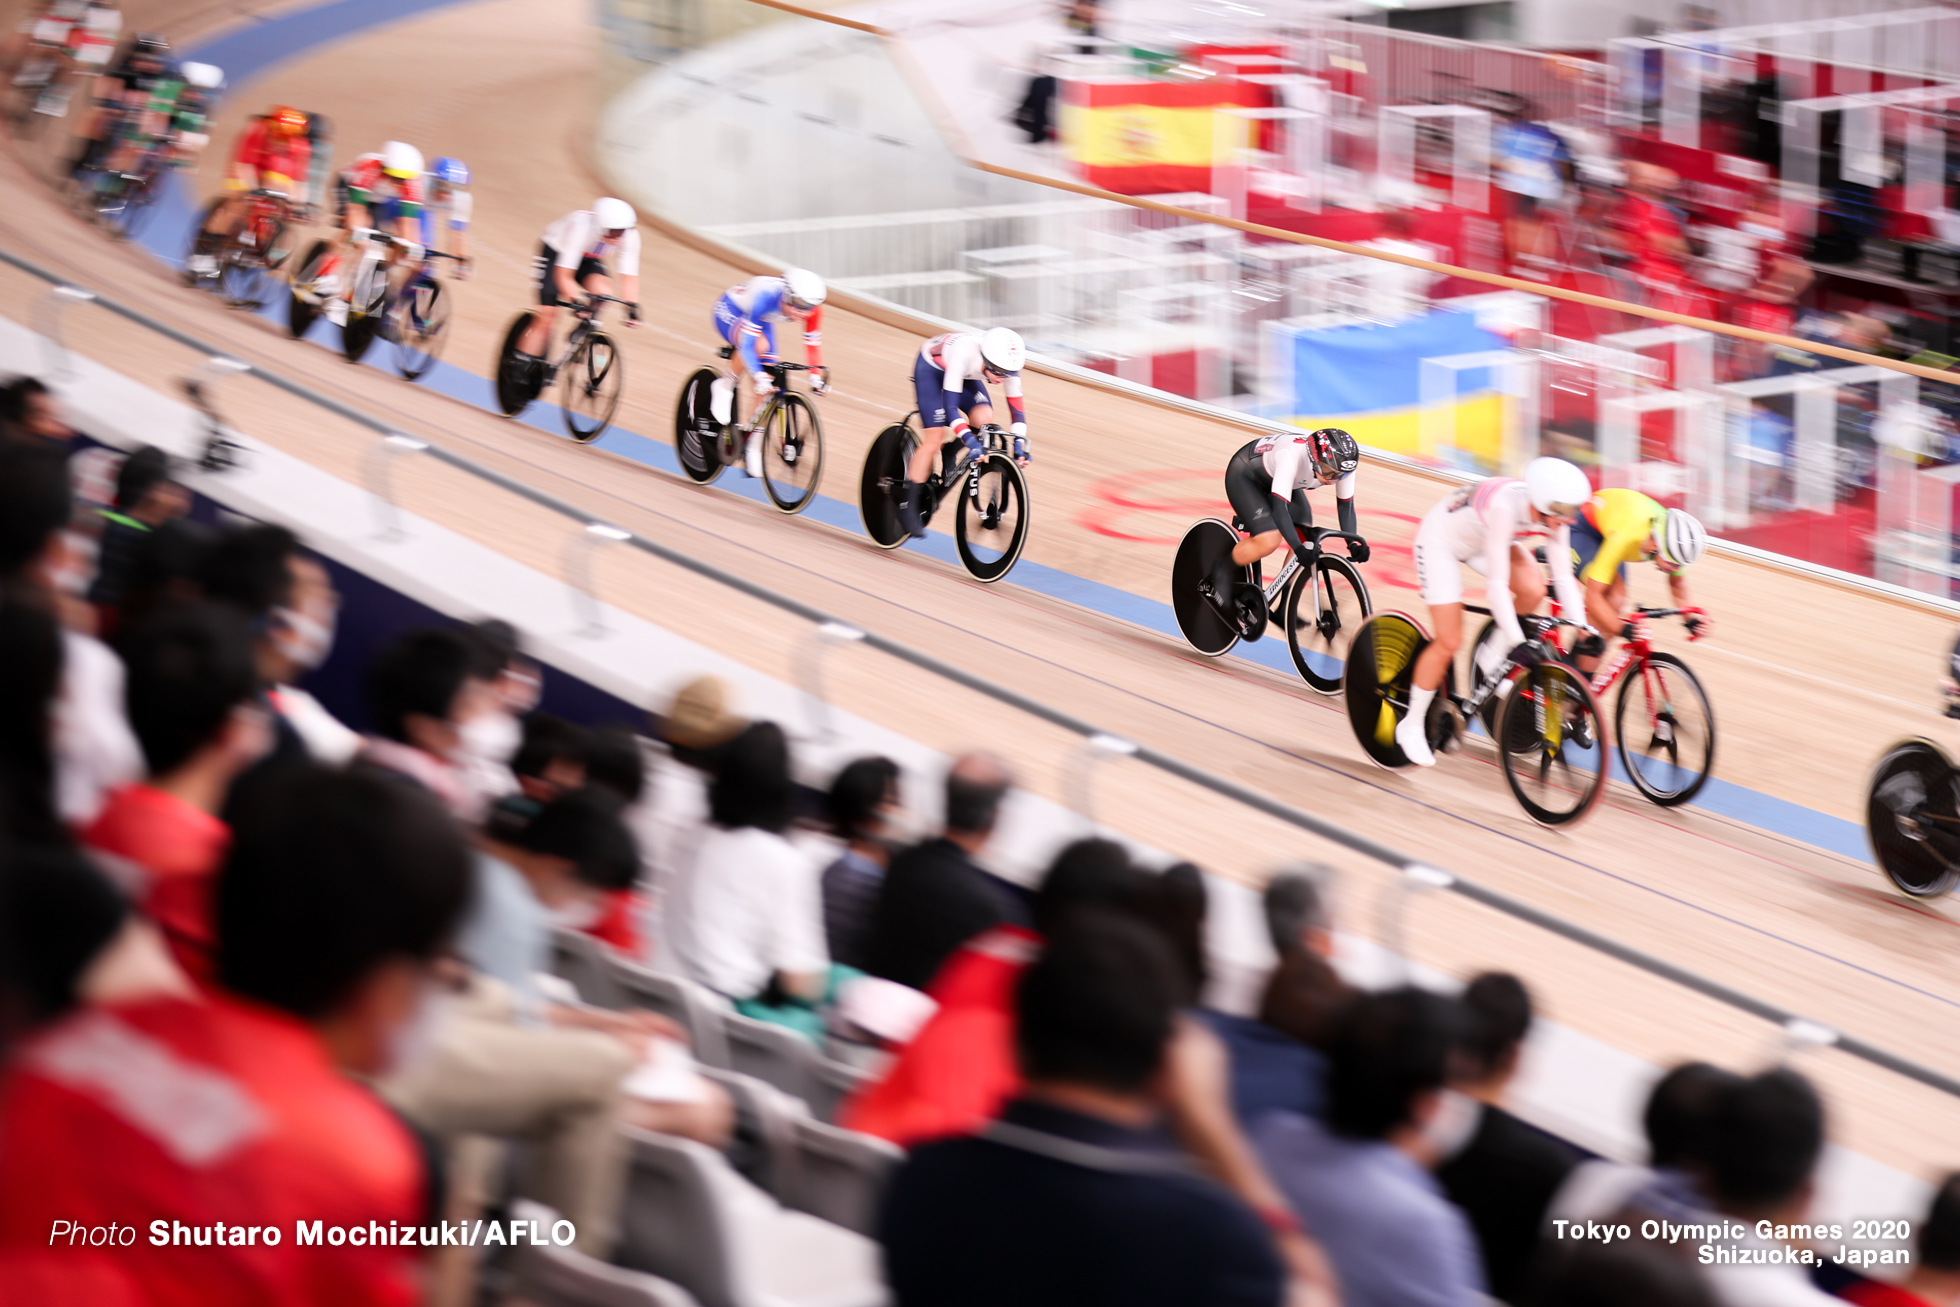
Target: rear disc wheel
[[697, 435], [878, 484], [1912, 817], [1204, 628]]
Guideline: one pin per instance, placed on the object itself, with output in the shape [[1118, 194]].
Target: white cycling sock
[[721, 399], [1419, 701]]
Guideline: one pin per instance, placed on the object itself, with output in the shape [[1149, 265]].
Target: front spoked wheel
[[1548, 734], [1321, 621], [792, 454], [593, 376], [1912, 817], [1664, 729], [990, 517], [422, 320]]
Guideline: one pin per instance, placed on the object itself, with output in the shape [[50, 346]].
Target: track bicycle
[[792, 437], [1912, 813], [988, 490], [589, 362], [1548, 728], [1319, 607], [1663, 724], [123, 199], [414, 315], [246, 257]]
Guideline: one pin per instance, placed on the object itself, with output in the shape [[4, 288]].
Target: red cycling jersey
[[266, 154], [366, 175]]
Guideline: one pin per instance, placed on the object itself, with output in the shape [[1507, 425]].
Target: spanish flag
[[1139, 137]]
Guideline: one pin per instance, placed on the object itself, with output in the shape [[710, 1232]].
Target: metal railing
[[1414, 875]]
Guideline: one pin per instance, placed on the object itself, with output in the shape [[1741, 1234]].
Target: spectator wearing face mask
[[425, 691], [494, 736], [147, 496]]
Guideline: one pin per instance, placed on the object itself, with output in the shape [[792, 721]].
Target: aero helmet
[[1682, 538], [614, 215], [1334, 453], [1002, 349], [401, 160], [804, 288], [1557, 488]]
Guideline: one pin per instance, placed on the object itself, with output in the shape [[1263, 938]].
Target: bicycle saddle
[[725, 352]]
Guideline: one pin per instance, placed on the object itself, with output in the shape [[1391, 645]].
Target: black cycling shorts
[[1250, 489], [588, 268]]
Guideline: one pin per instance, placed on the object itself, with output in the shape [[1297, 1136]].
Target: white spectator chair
[[837, 1174], [584, 962], [549, 1276], [692, 1007], [770, 1115], [773, 1054], [689, 1218], [836, 1081]]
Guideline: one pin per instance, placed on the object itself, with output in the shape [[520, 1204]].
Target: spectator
[[957, 1071], [191, 695], [1359, 1181], [1505, 1173], [1679, 1124], [1622, 1275], [168, 570], [31, 652], [698, 723], [550, 758], [29, 413], [858, 804], [1295, 906], [1934, 1280], [1767, 1133], [93, 749], [337, 897], [1656, 243], [935, 896], [493, 735], [746, 919], [424, 689], [147, 496], [1070, 1197], [616, 763], [1397, 291], [1175, 902]]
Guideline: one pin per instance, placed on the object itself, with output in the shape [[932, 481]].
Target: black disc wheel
[[1204, 627], [1381, 662], [1912, 818], [303, 300], [792, 454], [421, 325], [878, 485], [515, 388], [990, 516], [1549, 734], [366, 309], [1321, 620], [1664, 729], [592, 379], [697, 436]]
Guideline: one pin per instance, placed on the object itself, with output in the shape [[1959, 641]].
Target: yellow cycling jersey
[[1625, 520]]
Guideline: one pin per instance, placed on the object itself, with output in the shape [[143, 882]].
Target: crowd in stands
[[258, 968]]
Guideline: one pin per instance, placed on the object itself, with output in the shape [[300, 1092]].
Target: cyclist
[[745, 318], [1267, 482], [449, 209], [118, 91], [1487, 525], [383, 193], [322, 184], [1616, 527], [271, 153], [950, 381], [572, 257]]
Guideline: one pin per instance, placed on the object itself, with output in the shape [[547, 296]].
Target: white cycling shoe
[[1413, 740], [337, 311], [752, 460]]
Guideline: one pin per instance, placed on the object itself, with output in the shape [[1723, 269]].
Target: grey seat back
[[681, 1001], [671, 1224], [586, 963], [839, 1175], [550, 1276]]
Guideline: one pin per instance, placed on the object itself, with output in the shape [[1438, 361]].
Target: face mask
[[1450, 1129], [579, 914], [491, 737], [411, 1043], [302, 639]]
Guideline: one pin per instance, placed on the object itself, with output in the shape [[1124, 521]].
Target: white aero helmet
[[804, 287], [1556, 487], [1682, 538], [399, 159], [206, 77], [1001, 347], [614, 215]]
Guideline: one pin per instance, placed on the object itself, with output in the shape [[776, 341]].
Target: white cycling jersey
[[1478, 525], [578, 235], [957, 354], [1286, 460]]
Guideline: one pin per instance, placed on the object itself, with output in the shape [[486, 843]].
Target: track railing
[[1414, 876]]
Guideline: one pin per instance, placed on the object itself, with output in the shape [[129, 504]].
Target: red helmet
[[286, 120]]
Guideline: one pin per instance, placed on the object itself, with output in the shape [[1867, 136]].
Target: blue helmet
[[453, 171]]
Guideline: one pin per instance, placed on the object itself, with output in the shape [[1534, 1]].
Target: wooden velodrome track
[[1810, 682]]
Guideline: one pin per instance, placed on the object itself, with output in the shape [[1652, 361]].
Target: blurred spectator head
[[264, 572], [423, 688], [1651, 180], [36, 501], [975, 786], [1388, 1062], [1096, 1009], [1939, 1233], [1304, 998], [1175, 902], [1621, 1275], [1680, 1116], [861, 799], [1296, 909], [551, 758], [752, 784], [570, 849], [1768, 1133], [505, 665], [28, 408], [147, 491], [168, 569], [1496, 1019], [1092, 875], [251, 569], [1862, 331], [700, 720], [340, 892], [56, 913], [31, 654], [190, 681], [614, 763]]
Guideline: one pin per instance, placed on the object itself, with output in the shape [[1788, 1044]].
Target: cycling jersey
[[270, 156], [578, 236], [1478, 525], [449, 213], [1285, 457], [746, 315], [954, 358], [389, 197], [1623, 521]]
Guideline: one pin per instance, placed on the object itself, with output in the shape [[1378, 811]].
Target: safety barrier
[[1414, 876]]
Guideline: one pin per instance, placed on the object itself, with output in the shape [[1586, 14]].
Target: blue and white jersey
[[748, 314]]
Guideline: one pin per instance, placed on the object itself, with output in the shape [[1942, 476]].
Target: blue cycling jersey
[[746, 316]]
